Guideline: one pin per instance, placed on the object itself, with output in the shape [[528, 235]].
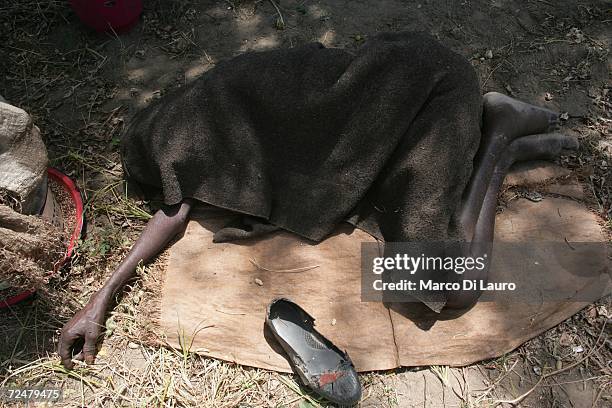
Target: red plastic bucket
[[102, 15]]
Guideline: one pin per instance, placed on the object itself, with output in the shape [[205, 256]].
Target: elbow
[[174, 219], [179, 220], [182, 217]]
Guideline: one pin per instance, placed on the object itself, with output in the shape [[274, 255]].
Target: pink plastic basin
[[102, 15]]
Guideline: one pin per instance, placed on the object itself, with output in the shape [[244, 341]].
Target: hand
[[80, 335]]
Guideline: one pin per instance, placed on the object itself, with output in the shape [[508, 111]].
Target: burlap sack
[[23, 161]]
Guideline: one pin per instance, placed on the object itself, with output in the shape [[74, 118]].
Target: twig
[[230, 313], [280, 15], [424, 391], [296, 270], [546, 2], [544, 376], [496, 382], [491, 73], [601, 390]]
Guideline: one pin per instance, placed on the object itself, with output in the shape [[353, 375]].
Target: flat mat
[[216, 295]]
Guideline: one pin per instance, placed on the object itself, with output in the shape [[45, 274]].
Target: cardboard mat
[[216, 294]]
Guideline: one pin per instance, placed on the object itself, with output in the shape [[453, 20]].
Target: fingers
[[68, 343], [65, 349], [89, 348]]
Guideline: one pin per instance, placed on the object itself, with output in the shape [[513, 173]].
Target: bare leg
[[533, 147], [504, 120], [86, 325]]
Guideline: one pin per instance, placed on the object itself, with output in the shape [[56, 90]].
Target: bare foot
[[504, 120], [511, 118], [547, 146]]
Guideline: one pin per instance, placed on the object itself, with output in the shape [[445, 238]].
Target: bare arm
[[87, 324], [164, 226]]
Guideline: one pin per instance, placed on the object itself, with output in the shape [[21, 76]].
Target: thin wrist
[[118, 279]]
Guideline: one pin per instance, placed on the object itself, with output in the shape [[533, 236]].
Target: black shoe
[[321, 366]]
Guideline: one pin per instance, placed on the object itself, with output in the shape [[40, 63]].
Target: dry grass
[[145, 376], [134, 368]]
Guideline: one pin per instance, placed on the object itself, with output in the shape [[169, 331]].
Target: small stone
[[534, 196], [576, 35], [537, 370], [489, 54], [258, 282], [591, 314], [564, 116], [565, 340], [333, 322], [548, 96], [132, 345], [577, 349], [603, 311]]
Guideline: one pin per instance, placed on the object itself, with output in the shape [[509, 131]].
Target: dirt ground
[[82, 88]]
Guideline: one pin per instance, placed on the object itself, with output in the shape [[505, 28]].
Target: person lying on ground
[[395, 139]]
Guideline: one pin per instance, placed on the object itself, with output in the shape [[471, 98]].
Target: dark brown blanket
[[308, 137]]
